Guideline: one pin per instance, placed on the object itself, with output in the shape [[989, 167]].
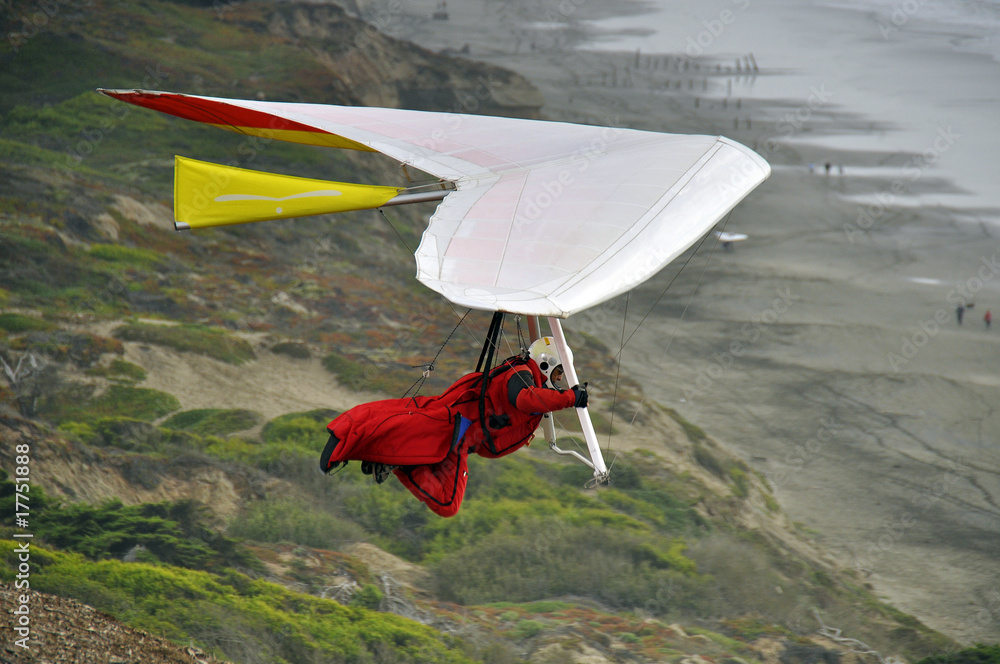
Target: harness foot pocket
[[324, 459]]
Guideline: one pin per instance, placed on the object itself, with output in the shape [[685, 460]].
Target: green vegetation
[[213, 421], [292, 349], [694, 433], [170, 533], [303, 430], [19, 323], [77, 405], [981, 653], [126, 370], [231, 613], [121, 257], [209, 341], [294, 521]]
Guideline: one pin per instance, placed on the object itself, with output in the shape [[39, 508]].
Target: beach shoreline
[[824, 350]]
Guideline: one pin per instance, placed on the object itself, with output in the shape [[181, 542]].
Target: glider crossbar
[[589, 434]]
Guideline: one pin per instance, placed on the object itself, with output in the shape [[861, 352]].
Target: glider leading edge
[[542, 219]]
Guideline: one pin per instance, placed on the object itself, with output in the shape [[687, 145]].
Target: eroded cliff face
[[373, 69]]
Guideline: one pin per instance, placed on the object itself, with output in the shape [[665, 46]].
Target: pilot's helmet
[[543, 352]]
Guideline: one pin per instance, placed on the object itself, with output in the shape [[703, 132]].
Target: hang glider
[[546, 218], [536, 218], [726, 239]]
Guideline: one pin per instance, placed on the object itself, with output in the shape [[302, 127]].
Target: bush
[[981, 653], [245, 619], [213, 421], [121, 369], [547, 557], [292, 349], [76, 404], [16, 323], [286, 520], [305, 429], [368, 597], [173, 532], [116, 253]]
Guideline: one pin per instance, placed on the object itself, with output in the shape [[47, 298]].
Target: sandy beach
[[825, 350]]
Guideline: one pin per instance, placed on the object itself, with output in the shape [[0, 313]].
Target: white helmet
[[543, 352]]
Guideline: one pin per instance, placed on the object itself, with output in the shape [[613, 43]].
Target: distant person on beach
[[988, 318], [959, 312], [828, 166]]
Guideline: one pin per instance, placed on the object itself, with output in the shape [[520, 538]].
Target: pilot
[[425, 441]]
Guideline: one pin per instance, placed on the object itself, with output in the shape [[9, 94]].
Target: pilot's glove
[[580, 392]]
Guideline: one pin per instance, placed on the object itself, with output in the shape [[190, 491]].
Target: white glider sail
[[546, 218]]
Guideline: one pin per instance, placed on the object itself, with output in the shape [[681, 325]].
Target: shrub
[[306, 429], [173, 532], [292, 349], [287, 520], [368, 597], [245, 619], [980, 653], [116, 253], [547, 557], [525, 629], [121, 369], [213, 421], [16, 323], [76, 404]]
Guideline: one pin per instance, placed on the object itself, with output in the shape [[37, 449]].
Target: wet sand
[[825, 350]]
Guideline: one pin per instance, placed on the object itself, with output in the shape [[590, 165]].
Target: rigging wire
[[618, 372], [429, 367], [472, 333], [673, 333]]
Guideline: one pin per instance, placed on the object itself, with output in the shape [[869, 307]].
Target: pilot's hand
[[580, 392]]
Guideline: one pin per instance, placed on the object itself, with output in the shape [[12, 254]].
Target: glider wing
[[547, 218]]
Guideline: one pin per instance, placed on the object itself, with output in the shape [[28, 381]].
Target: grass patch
[[232, 614], [17, 323], [117, 401], [289, 520], [175, 533], [122, 369], [209, 341], [305, 430], [694, 433], [292, 349], [213, 421], [981, 653], [125, 256]]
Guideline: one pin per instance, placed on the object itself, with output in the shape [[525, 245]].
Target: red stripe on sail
[[209, 111]]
